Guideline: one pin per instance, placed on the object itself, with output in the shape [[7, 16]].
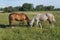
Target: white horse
[[43, 17]]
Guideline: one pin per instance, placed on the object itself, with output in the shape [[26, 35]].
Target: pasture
[[24, 32]]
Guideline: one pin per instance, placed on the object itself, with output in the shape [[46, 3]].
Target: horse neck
[[27, 18]]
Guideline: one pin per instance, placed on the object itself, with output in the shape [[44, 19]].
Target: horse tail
[[10, 19], [53, 19]]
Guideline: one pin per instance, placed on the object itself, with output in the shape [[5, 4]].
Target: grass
[[25, 32]]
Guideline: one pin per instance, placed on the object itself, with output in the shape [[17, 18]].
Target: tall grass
[[25, 32]]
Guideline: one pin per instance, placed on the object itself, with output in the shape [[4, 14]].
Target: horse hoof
[[12, 27]]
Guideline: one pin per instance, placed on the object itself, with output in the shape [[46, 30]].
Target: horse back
[[18, 16]]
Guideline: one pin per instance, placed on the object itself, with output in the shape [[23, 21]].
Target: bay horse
[[18, 17], [43, 17]]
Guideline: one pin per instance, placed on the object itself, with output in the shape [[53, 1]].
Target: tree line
[[29, 7]]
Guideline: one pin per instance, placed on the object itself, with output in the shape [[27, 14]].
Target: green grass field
[[25, 32]]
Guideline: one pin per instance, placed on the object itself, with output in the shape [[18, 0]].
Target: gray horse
[[43, 17]]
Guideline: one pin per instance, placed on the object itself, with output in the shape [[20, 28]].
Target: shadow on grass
[[4, 26]]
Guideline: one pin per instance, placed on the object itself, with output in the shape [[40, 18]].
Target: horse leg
[[37, 22], [51, 23], [27, 22], [40, 25], [32, 22], [21, 22], [11, 23]]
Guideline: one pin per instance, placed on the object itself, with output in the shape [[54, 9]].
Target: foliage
[[44, 8], [8, 9], [39, 7], [29, 7]]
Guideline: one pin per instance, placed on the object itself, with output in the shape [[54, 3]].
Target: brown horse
[[18, 17]]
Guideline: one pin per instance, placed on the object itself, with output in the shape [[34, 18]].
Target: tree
[[27, 7], [8, 9], [17, 8], [57, 9], [44, 8], [39, 7], [1, 9], [50, 8]]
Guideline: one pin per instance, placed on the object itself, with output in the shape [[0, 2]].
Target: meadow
[[25, 32]]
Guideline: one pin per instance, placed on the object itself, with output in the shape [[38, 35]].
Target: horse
[[21, 17], [43, 17]]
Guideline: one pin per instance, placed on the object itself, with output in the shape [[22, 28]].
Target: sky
[[6, 3]]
